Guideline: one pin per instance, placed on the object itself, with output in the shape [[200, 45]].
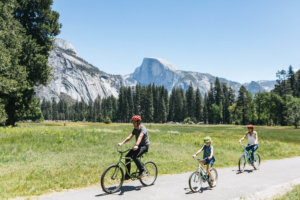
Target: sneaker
[[142, 174]]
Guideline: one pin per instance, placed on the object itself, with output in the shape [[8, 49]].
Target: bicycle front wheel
[[256, 162], [214, 175], [112, 179], [195, 181], [151, 173], [242, 163]]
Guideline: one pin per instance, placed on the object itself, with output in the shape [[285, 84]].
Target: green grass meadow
[[45, 157], [291, 195]]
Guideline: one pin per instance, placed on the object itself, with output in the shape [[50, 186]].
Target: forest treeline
[[219, 105]]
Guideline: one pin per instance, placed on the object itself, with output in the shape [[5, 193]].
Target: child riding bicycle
[[252, 140], [141, 146], [208, 155]]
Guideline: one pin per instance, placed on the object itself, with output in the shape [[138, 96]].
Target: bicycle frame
[[120, 162], [246, 153], [201, 170]]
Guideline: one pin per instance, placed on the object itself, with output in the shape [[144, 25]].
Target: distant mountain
[[75, 78], [161, 72], [260, 86]]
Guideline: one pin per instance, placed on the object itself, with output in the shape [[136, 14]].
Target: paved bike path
[[231, 185]]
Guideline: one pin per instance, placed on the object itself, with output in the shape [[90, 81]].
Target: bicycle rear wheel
[[242, 163], [112, 179], [214, 175], [256, 162], [151, 174], [195, 181]]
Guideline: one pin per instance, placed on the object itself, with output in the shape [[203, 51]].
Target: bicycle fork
[[114, 175]]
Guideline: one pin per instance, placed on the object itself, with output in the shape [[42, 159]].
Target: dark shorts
[[210, 162]]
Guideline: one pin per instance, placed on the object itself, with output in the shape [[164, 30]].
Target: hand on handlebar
[[120, 144], [194, 156], [135, 148]]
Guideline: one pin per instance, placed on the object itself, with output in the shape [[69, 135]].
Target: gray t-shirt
[[137, 132]]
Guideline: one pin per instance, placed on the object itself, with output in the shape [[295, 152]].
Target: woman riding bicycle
[[141, 146], [252, 140], [208, 155]]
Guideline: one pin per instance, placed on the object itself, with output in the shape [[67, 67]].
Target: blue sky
[[237, 40]]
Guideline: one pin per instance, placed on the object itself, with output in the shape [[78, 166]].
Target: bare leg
[[208, 172]]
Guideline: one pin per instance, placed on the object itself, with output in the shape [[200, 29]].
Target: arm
[[198, 152], [126, 140], [136, 146], [211, 154], [243, 137], [256, 137]]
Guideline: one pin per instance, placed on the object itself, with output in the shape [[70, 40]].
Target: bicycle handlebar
[[122, 151], [200, 160]]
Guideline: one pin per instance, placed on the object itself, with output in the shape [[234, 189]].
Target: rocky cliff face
[[160, 72], [75, 77]]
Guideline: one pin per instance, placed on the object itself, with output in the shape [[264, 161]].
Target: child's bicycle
[[246, 156], [113, 176], [200, 176]]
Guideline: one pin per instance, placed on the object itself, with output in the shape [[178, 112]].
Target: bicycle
[[246, 156], [113, 176], [200, 176]]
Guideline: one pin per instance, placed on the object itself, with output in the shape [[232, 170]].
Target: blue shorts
[[210, 162]]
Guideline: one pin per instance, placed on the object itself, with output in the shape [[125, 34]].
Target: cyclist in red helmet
[[141, 145], [252, 140]]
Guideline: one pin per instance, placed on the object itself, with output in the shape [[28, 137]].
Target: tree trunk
[[11, 113]]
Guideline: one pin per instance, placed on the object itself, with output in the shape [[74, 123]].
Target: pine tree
[[245, 106], [171, 113], [292, 80], [198, 106], [205, 109], [297, 87], [137, 100], [97, 109], [190, 101], [149, 111], [210, 102], [54, 110]]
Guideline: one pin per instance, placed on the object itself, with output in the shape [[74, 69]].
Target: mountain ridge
[[77, 78]]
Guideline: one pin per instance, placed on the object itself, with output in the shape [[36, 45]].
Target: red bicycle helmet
[[136, 118], [251, 126]]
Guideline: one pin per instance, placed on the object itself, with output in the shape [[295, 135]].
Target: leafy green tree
[[27, 28], [293, 111], [245, 107], [276, 104], [262, 101]]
